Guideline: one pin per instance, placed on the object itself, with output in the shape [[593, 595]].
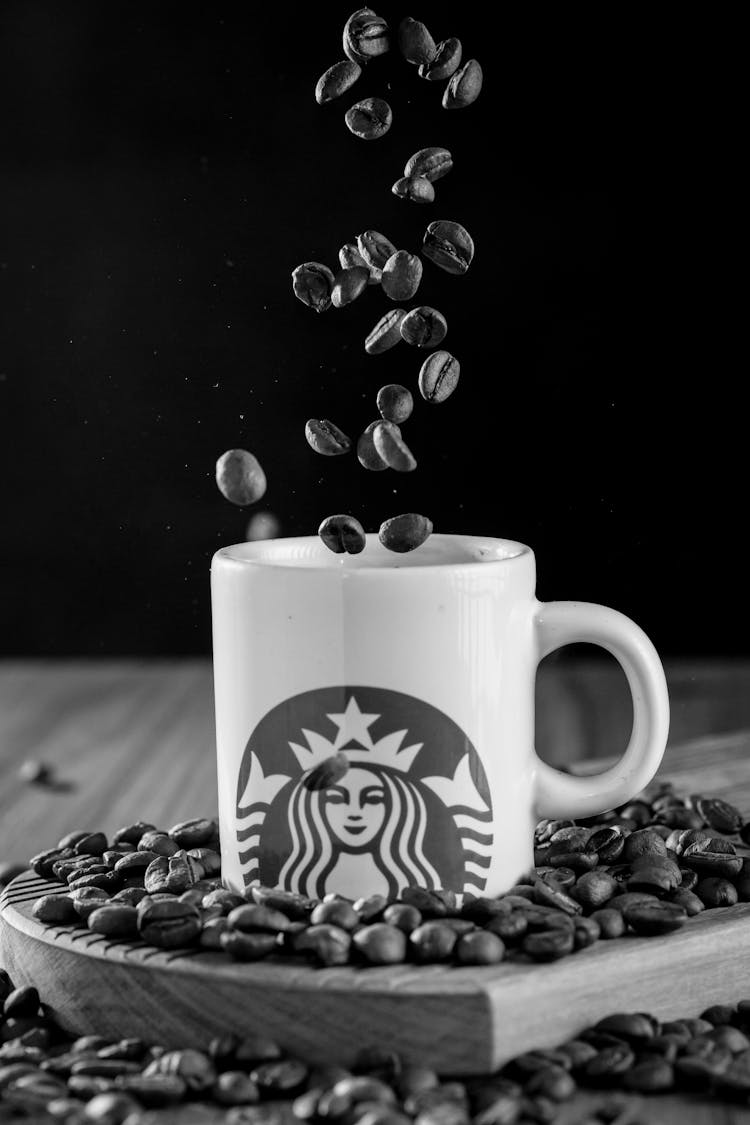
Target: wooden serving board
[[458, 1020]]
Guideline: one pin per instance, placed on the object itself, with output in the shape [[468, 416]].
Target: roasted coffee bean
[[403, 915], [386, 333], [431, 163], [586, 931], [481, 947], [609, 1064], [731, 1037], [350, 258], [365, 36], [510, 928], [313, 283], [438, 376], [415, 42], [395, 402], [445, 62], [22, 1003], [158, 842], [594, 888], [402, 274], [424, 327], [154, 1090], [367, 454], [655, 918], [643, 842], [649, 1076], [195, 1068], [718, 814], [381, 943], [193, 833], [327, 944], [234, 1087], [369, 119], [247, 946], [93, 843], [464, 87], [256, 917], [405, 532], [375, 248], [656, 875], [348, 285], [88, 899], [337, 912], [168, 924], [634, 1027], [392, 448], [134, 863], [549, 945], [481, 910], [132, 833], [326, 438], [546, 894], [448, 245], [719, 1014], [118, 921], [553, 1082], [296, 907], [55, 908], [342, 534], [610, 922], [336, 81], [418, 189], [370, 909], [711, 862], [432, 941], [716, 892], [41, 864]]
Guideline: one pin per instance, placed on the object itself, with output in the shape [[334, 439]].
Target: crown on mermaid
[[353, 727]]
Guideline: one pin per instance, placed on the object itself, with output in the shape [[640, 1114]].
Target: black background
[[164, 169]]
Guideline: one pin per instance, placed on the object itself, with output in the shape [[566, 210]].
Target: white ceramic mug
[[420, 669]]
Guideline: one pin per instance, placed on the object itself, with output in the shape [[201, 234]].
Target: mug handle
[[563, 795]]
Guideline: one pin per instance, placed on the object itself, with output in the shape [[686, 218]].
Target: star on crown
[[353, 727]]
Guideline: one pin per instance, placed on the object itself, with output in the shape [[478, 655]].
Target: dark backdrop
[[166, 166]]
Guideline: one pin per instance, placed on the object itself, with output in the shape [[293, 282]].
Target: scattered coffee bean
[[418, 189], [402, 274], [655, 917], [445, 63], [348, 285], [327, 773], [464, 87], [392, 448], [415, 42], [424, 327], [342, 534], [386, 333], [375, 248], [369, 119], [312, 283], [337, 80], [240, 477], [448, 245], [55, 909], [439, 376], [395, 402], [718, 814], [405, 532], [326, 438], [365, 36]]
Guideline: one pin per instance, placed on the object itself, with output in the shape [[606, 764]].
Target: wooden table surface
[[131, 739]]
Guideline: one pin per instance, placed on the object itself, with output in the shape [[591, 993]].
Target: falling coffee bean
[[446, 61], [438, 376], [386, 333], [327, 773], [365, 36], [326, 438], [416, 188], [392, 448], [342, 534], [423, 327], [402, 274], [348, 285], [312, 283], [367, 454], [405, 532], [395, 402], [369, 119], [375, 248], [464, 87], [350, 258], [337, 80], [448, 245], [432, 163], [240, 477], [415, 42]]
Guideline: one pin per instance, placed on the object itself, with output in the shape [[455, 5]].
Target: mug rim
[[486, 546]]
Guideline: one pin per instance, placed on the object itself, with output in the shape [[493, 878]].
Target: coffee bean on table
[[348, 285], [418, 189], [449, 245], [240, 477], [415, 42], [367, 454], [365, 36], [392, 447], [168, 923], [58, 909], [380, 943], [395, 402], [432, 163], [445, 63], [718, 814], [337, 80], [715, 891], [405, 532], [386, 333], [329, 945], [248, 947], [423, 327], [438, 376], [312, 283], [549, 945], [326, 438], [464, 87], [369, 119], [479, 948], [375, 248], [327, 773], [650, 918], [402, 274], [115, 920]]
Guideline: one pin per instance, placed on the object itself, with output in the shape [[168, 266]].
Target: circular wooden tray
[[458, 1020]]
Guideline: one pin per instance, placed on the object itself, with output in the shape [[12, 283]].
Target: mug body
[[416, 672]]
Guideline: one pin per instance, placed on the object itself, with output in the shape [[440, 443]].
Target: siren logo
[[414, 807]]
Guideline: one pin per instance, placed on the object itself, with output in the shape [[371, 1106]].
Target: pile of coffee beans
[[47, 1075], [645, 869]]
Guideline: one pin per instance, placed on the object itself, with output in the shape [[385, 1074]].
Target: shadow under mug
[[419, 671]]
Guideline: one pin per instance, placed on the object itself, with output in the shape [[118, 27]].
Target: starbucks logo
[[414, 807]]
